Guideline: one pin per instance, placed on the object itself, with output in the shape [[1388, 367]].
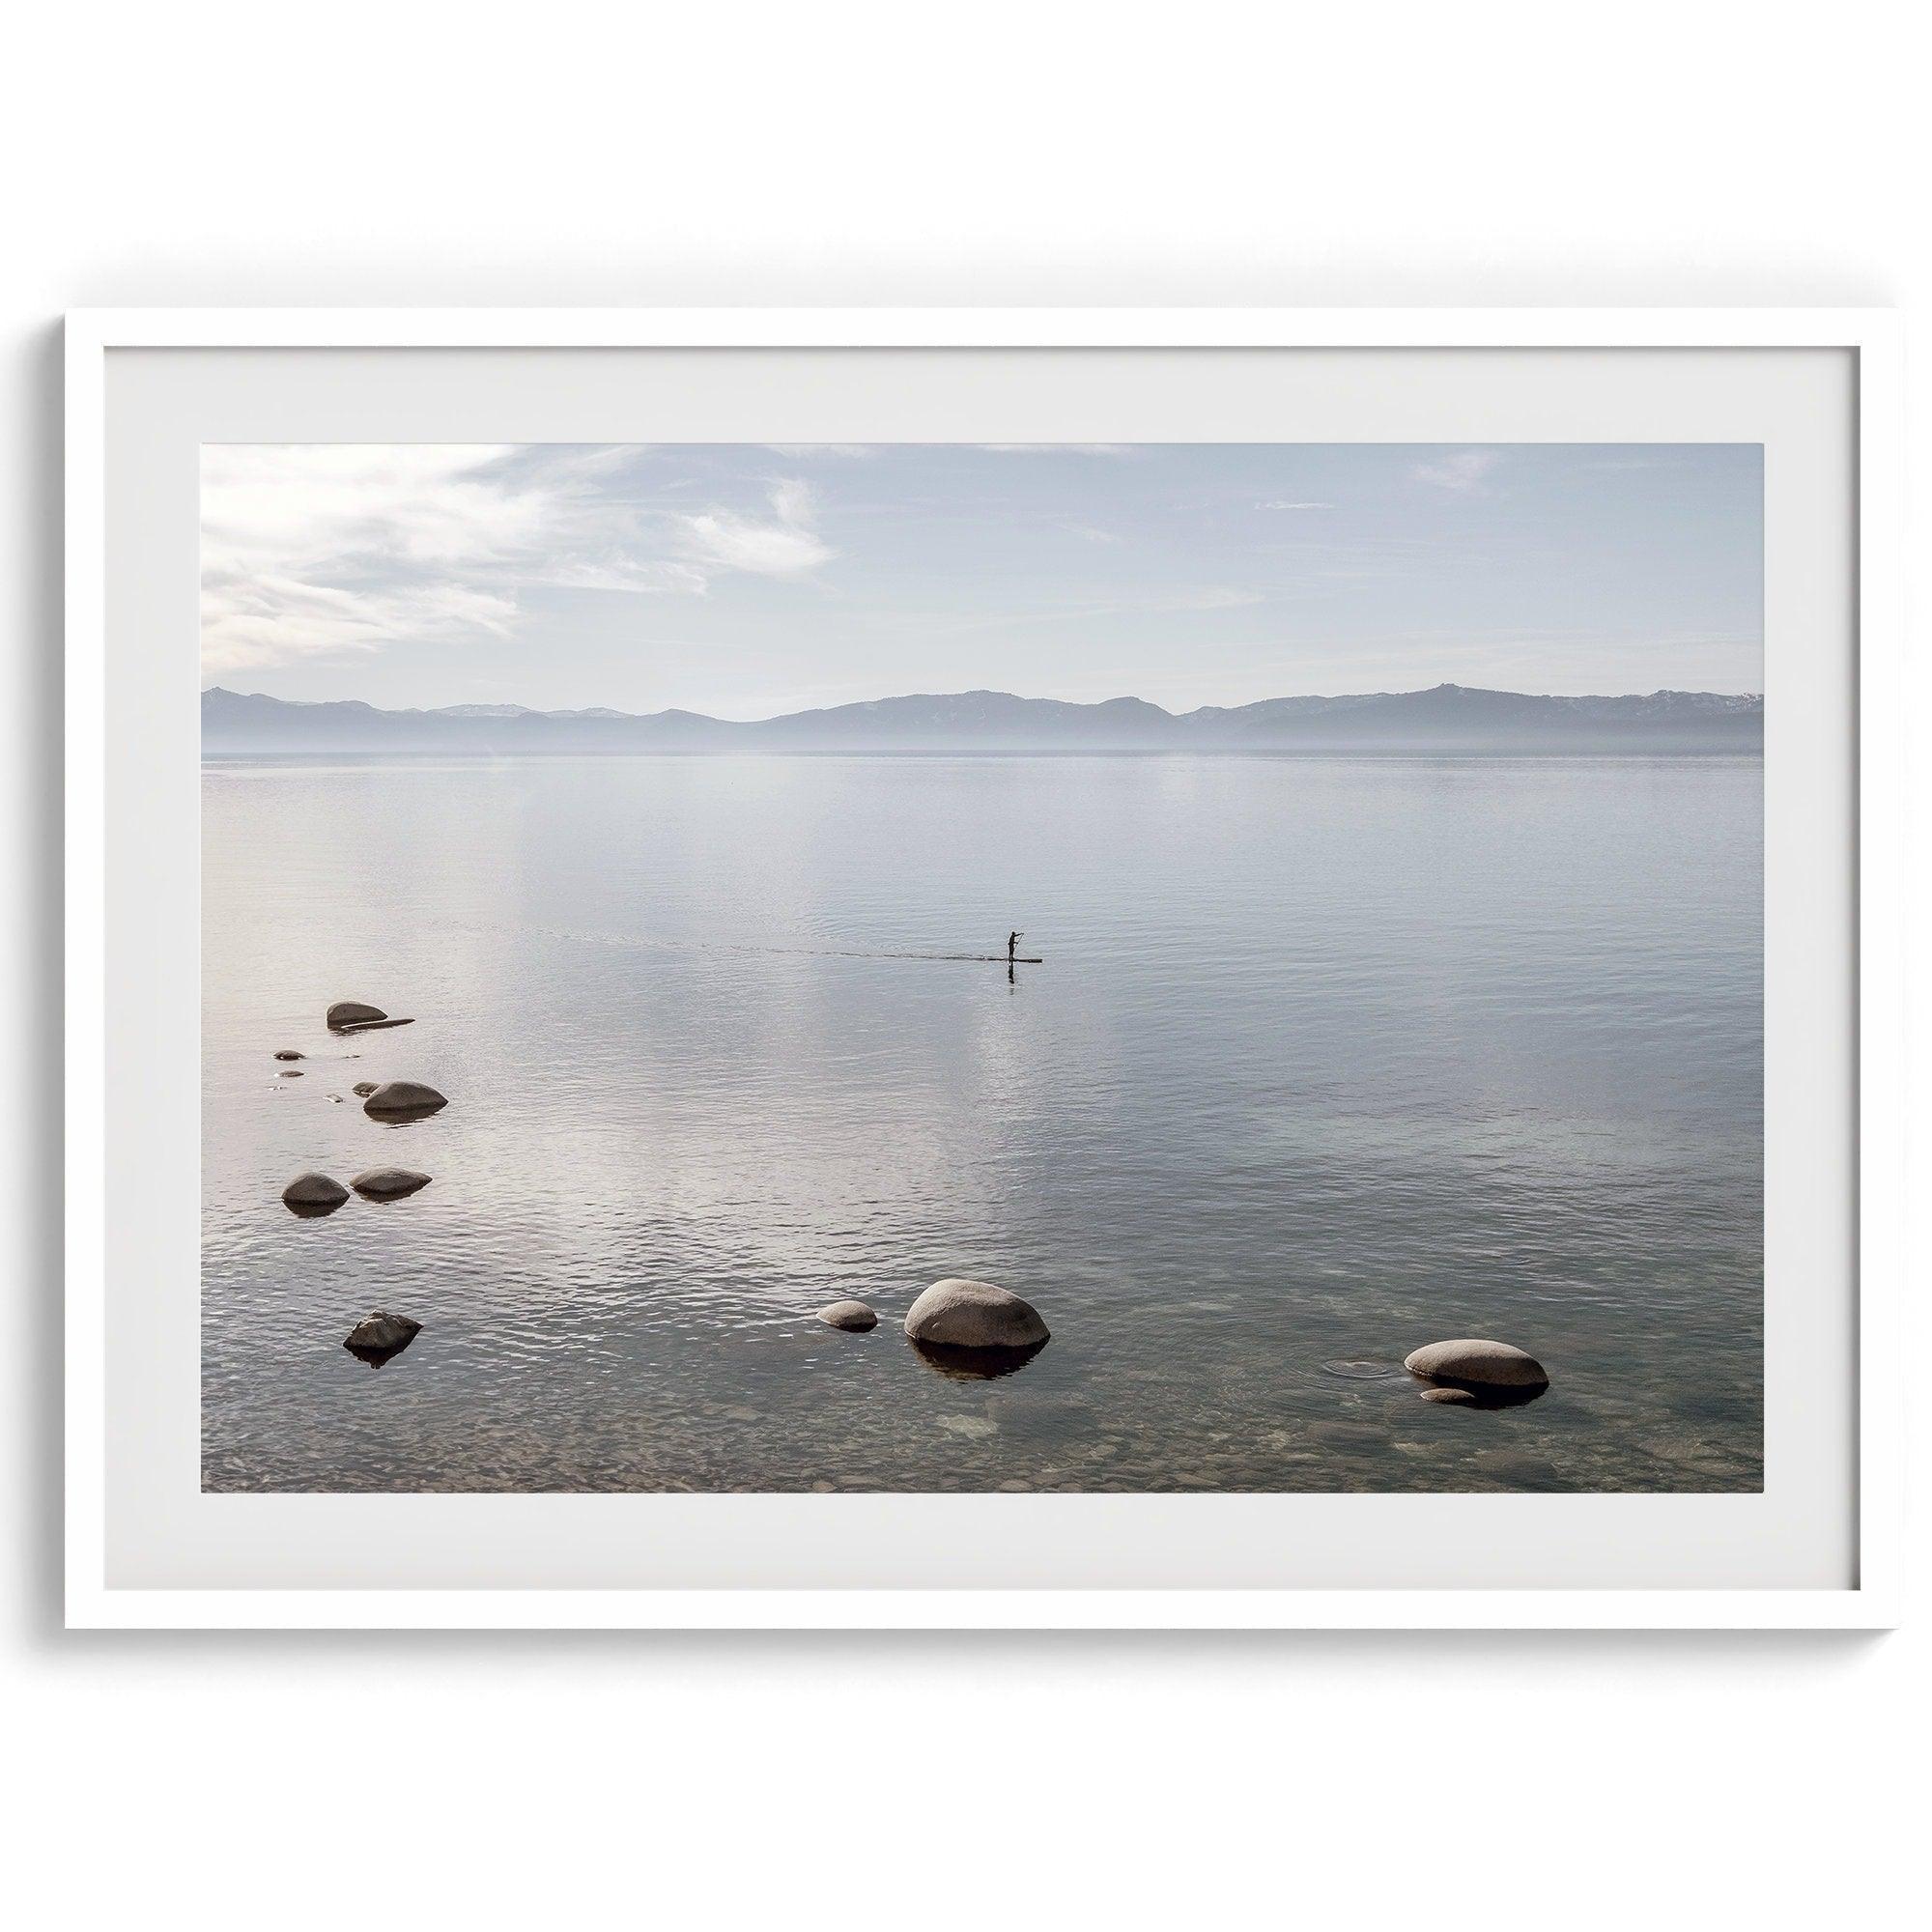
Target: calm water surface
[[1328, 1058]]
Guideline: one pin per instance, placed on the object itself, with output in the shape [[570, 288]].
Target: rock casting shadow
[[975, 1365], [1483, 1395], [375, 1358]]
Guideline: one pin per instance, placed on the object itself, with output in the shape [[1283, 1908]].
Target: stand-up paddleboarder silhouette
[[1012, 946]]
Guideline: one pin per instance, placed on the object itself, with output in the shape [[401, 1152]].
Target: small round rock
[[404, 1096], [362, 1089], [1448, 1394], [389, 1183], [314, 1190], [353, 1013], [854, 1316], [959, 1314], [1494, 1364], [289, 1053]]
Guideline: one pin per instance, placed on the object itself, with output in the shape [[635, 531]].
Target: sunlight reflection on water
[[1327, 1057]]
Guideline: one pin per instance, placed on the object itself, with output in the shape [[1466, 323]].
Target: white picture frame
[[1877, 869]]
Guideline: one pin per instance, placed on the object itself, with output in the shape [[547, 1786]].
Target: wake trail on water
[[782, 951]]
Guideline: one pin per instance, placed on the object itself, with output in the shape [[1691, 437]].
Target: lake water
[[1328, 1058]]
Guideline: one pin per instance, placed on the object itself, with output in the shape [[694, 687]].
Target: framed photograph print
[[984, 968]]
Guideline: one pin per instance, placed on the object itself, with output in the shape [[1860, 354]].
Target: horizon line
[[976, 691]]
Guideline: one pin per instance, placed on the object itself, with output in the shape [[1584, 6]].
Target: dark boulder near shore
[[403, 1099], [379, 1336], [314, 1194], [389, 1183], [353, 1016]]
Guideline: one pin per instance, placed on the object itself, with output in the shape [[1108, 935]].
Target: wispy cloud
[[1056, 448], [1281, 504], [719, 540], [1220, 597], [1461, 470], [313, 550]]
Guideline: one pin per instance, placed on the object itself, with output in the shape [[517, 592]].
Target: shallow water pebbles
[[852, 1316], [975, 1428]]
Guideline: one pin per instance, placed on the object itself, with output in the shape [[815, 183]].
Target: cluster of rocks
[[970, 1329], [395, 1102], [324, 1192]]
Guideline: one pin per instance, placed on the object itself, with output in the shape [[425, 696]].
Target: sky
[[750, 580]]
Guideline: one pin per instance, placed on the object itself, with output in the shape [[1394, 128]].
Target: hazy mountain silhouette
[[1449, 717]]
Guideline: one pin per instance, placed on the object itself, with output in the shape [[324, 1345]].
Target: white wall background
[[1685, 153]]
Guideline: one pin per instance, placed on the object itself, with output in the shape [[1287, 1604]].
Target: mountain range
[[1447, 718]]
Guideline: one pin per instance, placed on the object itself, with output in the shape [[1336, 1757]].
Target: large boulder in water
[[353, 1013], [407, 1098], [1477, 1364], [315, 1193], [379, 1336], [389, 1183], [854, 1316], [956, 1313]]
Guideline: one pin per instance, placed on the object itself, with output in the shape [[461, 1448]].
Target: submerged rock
[[289, 1053], [314, 1194], [958, 1314], [290, 1073], [379, 1335], [1448, 1395], [352, 1013], [1478, 1364], [854, 1316], [404, 1098], [362, 1089], [389, 1183]]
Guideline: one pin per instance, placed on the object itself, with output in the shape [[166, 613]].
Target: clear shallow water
[[1328, 1058]]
